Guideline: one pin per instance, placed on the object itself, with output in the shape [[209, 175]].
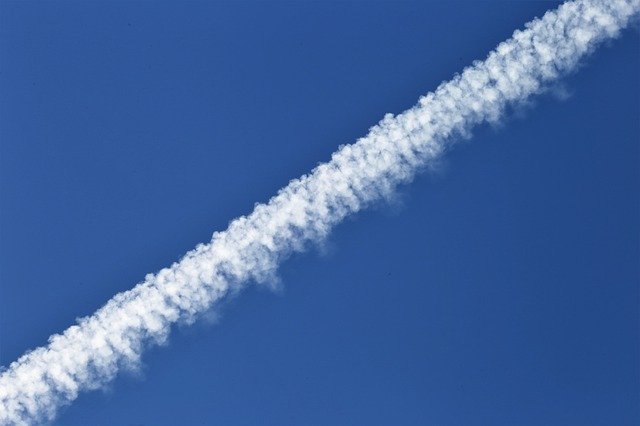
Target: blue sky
[[501, 289]]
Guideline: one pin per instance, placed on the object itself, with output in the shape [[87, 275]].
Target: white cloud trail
[[89, 354]]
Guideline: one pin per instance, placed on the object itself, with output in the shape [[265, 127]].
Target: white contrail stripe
[[89, 354]]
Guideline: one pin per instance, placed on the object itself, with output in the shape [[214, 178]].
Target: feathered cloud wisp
[[89, 354]]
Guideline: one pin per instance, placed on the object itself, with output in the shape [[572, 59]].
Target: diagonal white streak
[[89, 354]]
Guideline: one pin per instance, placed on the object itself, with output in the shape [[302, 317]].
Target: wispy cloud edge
[[89, 354]]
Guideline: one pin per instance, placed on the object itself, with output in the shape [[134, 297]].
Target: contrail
[[89, 354]]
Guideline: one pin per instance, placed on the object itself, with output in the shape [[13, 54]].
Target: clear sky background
[[502, 289]]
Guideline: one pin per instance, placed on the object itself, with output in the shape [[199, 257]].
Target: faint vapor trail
[[89, 354]]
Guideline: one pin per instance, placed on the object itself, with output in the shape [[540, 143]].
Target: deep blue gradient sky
[[502, 289]]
